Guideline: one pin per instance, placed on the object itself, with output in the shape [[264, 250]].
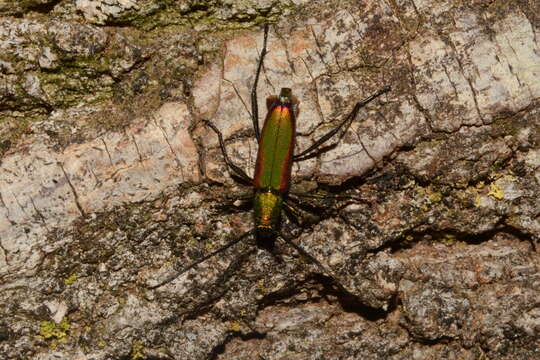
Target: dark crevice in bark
[[328, 290], [443, 340], [220, 349], [44, 8], [454, 235]]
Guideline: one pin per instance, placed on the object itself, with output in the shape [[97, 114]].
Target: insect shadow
[[272, 178]]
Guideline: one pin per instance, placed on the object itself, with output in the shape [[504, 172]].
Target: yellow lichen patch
[[435, 197], [49, 330], [136, 350], [234, 326], [261, 286], [496, 191], [432, 196], [70, 280], [478, 200], [447, 239]]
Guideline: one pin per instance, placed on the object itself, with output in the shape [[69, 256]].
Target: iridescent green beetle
[[275, 156], [272, 177]]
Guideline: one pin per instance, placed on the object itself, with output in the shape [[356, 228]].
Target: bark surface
[[424, 212]]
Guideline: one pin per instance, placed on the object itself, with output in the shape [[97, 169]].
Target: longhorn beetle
[[275, 156]]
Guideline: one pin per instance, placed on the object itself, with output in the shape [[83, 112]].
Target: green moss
[[206, 14], [72, 86]]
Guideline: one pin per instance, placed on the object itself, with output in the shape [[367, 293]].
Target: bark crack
[[469, 81], [75, 194], [317, 101], [137, 149], [107, 151], [98, 181], [287, 54], [38, 212], [319, 50], [6, 253], [3, 203], [450, 80], [20, 205], [178, 162], [239, 96], [365, 149], [511, 69]]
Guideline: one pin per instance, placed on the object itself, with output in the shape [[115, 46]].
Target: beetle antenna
[[254, 105], [313, 260], [197, 262]]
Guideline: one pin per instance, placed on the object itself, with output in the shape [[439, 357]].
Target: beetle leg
[[236, 170], [325, 270], [318, 196], [345, 123], [293, 212]]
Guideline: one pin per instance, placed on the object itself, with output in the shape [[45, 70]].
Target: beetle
[[275, 155]]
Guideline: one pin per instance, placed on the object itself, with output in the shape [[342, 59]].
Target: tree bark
[[421, 219]]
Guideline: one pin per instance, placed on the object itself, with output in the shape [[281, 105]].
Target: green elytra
[[275, 156]]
